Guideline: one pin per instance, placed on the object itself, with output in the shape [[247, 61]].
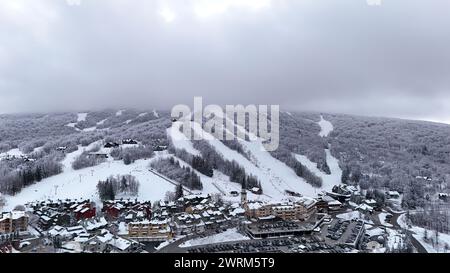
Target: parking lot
[[341, 232], [302, 244]]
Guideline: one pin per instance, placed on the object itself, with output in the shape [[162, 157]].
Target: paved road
[[394, 221]]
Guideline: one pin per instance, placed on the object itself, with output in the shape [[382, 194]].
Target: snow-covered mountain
[[321, 144]]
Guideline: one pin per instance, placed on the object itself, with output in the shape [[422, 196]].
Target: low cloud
[[323, 55]]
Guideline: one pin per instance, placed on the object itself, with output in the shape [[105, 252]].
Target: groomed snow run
[[329, 180], [275, 176], [179, 140], [325, 127], [81, 117]]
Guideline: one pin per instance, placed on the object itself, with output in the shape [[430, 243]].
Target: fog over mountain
[[322, 55]]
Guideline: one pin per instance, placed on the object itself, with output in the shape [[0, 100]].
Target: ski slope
[[325, 127], [82, 183], [80, 118], [275, 176], [329, 180], [179, 140]]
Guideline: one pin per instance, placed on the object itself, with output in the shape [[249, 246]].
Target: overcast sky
[[323, 55]]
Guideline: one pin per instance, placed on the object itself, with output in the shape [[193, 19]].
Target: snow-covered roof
[[84, 210], [375, 232], [237, 211], [334, 203], [120, 243], [254, 205], [152, 222], [14, 215], [365, 207]]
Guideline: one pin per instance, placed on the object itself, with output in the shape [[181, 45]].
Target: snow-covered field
[[442, 244], [82, 183], [230, 235]]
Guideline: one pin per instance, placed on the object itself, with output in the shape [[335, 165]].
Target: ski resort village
[[131, 182]]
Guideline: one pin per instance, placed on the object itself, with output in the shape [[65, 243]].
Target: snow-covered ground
[[13, 152], [430, 243], [230, 235], [83, 183], [101, 122], [119, 113], [354, 215], [376, 231], [329, 180], [81, 117], [395, 239], [275, 176], [325, 127], [382, 218], [90, 129], [155, 114], [179, 140]]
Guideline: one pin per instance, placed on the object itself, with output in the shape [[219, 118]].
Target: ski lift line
[[170, 181], [219, 189]]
